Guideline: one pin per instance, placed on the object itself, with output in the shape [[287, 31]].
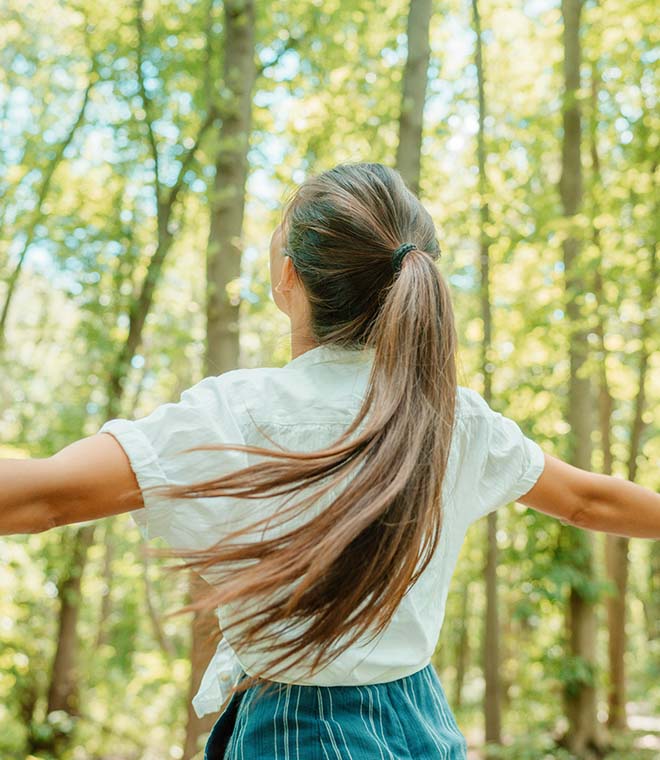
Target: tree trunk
[[579, 690], [617, 546], [62, 694], [63, 688], [411, 119], [106, 599], [652, 605], [492, 700], [462, 649], [224, 252], [163, 642]]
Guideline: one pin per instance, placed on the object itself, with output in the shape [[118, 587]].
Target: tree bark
[[415, 78], [617, 546], [227, 204], [492, 697], [583, 735], [106, 599], [463, 648], [63, 688], [164, 643]]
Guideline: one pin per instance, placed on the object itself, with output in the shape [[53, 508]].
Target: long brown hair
[[347, 568]]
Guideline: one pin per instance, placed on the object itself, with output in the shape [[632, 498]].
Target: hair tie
[[401, 251]]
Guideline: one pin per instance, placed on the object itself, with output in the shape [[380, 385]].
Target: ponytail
[[341, 574]]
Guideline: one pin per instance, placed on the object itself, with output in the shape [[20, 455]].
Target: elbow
[[44, 517], [582, 516], [583, 513]]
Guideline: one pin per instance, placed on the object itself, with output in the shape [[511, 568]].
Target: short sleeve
[[155, 446], [501, 463]]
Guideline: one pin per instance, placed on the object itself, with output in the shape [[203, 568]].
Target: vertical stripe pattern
[[406, 719]]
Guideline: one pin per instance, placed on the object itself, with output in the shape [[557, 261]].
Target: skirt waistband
[[405, 719]]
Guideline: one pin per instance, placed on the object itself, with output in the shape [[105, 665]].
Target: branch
[[41, 197], [188, 157], [290, 44], [146, 100]]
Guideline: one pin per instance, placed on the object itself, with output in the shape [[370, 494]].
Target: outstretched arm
[[594, 501], [87, 480]]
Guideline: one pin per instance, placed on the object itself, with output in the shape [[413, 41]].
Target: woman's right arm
[[593, 501]]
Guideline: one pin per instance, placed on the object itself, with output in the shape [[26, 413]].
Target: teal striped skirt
[[406, 719]]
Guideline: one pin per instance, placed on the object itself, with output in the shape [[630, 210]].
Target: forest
[[146, 151]]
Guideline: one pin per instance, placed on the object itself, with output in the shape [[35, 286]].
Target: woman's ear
[[288, 276]]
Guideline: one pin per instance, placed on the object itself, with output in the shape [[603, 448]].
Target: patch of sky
[[166, 129], [151, 84], [113, 248], [121, 64], [611, 73], [20, 65], [538, 8], [287, 67], [651, 56], [251, 253], [262, 185], [390, 56], [185, 102], [97, 145], [487, 36], [60, 77], [41, 260], [462, 280]]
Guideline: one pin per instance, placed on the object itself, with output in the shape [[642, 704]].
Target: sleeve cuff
[[144, 463], [534, 469]]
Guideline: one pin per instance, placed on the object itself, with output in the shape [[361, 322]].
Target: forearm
[[23, 508], [622, 508]]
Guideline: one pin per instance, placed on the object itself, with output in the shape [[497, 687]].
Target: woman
[[326, 501]]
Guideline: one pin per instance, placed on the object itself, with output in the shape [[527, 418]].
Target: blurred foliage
[[328, 91]]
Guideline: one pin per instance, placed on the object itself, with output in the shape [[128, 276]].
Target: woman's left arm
[[595, 501], [89, 479]]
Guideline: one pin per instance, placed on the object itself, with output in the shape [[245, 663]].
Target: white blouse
[[304, 406]]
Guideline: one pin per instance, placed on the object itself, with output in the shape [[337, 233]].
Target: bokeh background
[[146, 149]]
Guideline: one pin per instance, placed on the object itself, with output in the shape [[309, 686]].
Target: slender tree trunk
[[106, 599], [165, 644], [652, 604], [583, 734], [63, 688], [62, 694], [224, 251], [415, 77], [492, 700], [617, 546], [463, 648]]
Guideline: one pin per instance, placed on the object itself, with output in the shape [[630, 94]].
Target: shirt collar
[[329, 352]]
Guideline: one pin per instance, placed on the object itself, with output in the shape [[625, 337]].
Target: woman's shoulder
[[469, 404]]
